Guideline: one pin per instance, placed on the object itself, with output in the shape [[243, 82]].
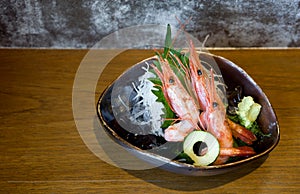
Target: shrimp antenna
[[182, 25], [205, 40]]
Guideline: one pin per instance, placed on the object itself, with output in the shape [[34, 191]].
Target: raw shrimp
[[199, 78], [213, 117], [181, 102]]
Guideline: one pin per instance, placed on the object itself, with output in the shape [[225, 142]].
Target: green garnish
[[243, 120], [168, 41], [248, 111], [183, 157], [168, 113]]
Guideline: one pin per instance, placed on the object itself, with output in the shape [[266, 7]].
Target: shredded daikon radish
[[146, 106]]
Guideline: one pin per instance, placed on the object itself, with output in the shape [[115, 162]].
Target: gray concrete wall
[[81, 23]]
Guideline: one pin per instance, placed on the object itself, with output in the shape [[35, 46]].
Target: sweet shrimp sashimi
[[180, 101], [213, 118]]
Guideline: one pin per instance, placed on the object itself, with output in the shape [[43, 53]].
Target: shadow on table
[[174, 181]]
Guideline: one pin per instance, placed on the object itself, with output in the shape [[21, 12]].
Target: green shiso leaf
[[183, 157], [234, 118], [169, 115], [156, 81], [257, 130], [168, 41]]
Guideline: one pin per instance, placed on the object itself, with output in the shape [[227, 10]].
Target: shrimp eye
[[199, 72], [171, 80], [215, 104]]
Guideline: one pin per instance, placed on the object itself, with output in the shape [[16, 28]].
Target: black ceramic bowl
[[146, 146]]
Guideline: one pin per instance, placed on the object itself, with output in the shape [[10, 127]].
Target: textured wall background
[[81, 23]]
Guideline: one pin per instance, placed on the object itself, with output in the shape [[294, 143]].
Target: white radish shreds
[[146, 109]]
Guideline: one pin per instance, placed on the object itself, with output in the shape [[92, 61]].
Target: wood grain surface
[[43, 152]]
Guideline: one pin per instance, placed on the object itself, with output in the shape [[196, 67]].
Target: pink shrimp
[[213, 117], [180, 101], [199, 78]]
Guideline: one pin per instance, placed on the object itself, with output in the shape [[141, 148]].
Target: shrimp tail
[[241, 132], [239, 151]]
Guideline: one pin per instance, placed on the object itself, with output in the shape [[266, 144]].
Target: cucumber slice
[[211, 144]]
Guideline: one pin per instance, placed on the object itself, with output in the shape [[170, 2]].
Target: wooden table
[[43, 152]]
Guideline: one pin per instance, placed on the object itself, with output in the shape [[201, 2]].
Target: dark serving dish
[[146, 146]]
